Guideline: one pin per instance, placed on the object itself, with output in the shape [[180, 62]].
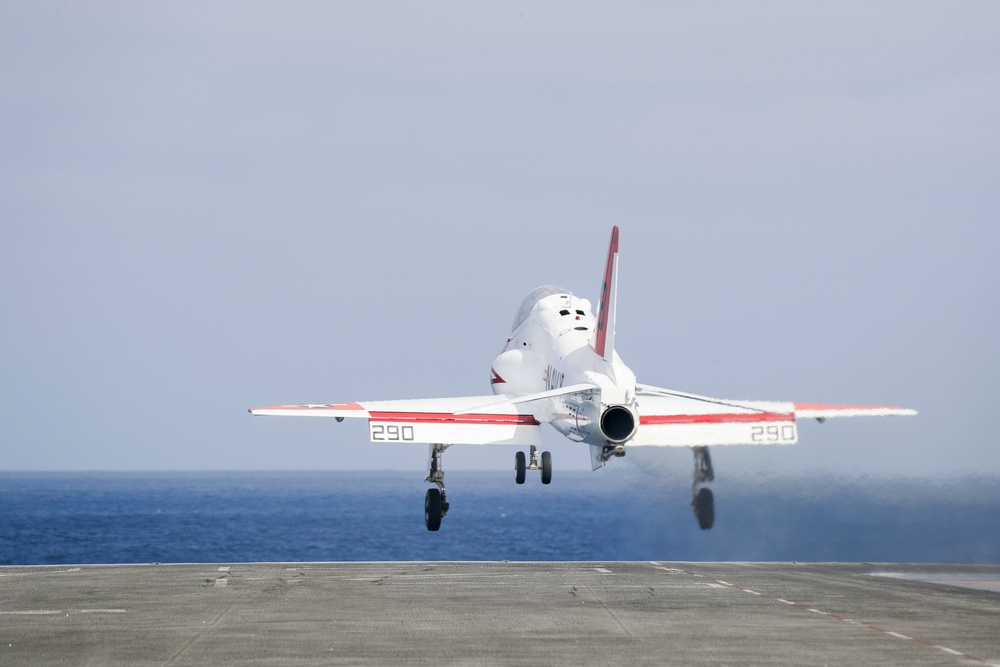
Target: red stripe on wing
[[720, 418], [450, 418]]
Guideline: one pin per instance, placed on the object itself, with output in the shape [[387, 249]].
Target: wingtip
[[819, 410]]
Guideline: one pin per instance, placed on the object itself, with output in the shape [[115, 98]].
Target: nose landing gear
[[521, 465]]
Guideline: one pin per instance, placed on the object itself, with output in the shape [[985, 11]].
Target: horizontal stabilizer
[[517, 400], [759, 406]]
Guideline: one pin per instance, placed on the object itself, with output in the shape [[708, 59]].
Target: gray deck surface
[[500, 613]]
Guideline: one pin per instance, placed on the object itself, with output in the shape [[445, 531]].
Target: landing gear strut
[[435, 502], [521, 465], [702, 500]]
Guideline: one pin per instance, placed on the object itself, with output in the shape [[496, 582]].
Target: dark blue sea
[[75, 518]]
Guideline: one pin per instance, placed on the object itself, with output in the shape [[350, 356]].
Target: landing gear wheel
[[704, 508], [433, 509], [546, 467], [520, 466]]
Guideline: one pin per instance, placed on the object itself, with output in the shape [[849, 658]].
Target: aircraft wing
[[670, 418], [445, 421]]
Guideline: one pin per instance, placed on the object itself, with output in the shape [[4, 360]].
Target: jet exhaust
[[617, 423]]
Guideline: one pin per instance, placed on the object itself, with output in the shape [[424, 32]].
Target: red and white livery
[[559, 366]]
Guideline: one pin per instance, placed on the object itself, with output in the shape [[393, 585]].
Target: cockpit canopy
[[536, 295]]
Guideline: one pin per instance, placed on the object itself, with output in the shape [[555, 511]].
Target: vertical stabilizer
[[604, 338]]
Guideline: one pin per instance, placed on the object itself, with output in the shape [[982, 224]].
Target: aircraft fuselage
[[551, 347]]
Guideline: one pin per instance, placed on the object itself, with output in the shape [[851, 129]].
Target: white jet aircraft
[[560, 366]]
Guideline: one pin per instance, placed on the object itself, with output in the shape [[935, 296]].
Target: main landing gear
[[435, 502], [702, 500], [521, 465]]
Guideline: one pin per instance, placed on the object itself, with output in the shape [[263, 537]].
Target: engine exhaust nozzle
[[618, 423]]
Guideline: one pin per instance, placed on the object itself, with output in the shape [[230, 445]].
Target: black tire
[[432, 509], [546, 467], [704, 509], [520, 466]]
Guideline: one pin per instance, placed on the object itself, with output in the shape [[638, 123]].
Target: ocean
[[174, 517]]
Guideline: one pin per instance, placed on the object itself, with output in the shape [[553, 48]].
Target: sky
[[207, 207]]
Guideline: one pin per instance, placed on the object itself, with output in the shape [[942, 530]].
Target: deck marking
[[718, 583], [54, 612]]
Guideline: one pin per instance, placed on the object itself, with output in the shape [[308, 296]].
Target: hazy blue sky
[[212, 206]]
